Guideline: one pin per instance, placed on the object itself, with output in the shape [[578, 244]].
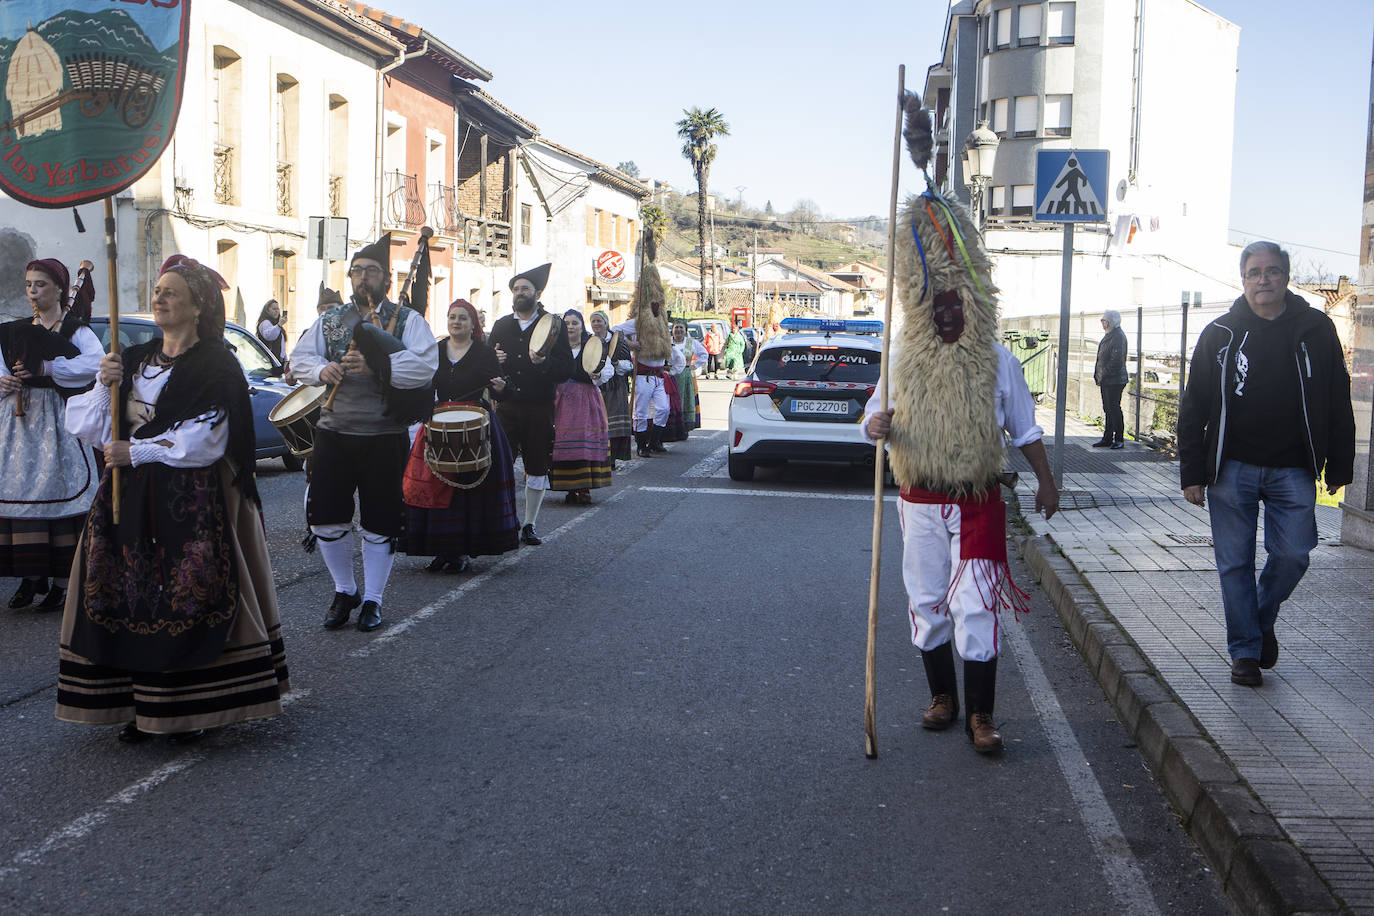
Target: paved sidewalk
[[1135, 580]]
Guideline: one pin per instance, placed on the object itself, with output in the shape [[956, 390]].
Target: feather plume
[[919, 132]]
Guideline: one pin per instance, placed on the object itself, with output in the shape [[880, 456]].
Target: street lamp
[[980, 152]]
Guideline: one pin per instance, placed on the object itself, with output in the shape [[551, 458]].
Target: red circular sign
[[610, 265]]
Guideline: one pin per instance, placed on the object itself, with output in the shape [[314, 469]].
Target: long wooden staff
[[880, 459], [115, 406]]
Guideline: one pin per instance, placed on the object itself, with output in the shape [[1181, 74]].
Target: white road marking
[[775, 494], [708, 465], [395, 631], [79, 829], [1124, 878]]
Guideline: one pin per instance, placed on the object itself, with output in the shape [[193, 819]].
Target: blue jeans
[[1290, 533]]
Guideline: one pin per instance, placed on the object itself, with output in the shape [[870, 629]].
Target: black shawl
[[206, 377]]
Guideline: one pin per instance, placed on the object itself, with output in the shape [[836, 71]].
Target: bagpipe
[[31, 344]]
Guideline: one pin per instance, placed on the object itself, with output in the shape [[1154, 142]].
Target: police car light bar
[[832, 325]]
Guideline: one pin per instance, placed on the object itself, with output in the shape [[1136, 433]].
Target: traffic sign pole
[[1062, 383]]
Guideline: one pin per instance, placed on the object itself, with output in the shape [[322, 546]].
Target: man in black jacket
[[525, 406], [1266, 411]]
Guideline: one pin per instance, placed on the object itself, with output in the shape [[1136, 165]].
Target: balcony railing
[[224, 174], [284, 188], [402, 206], [443, 209], [337, 202], [484, 238]]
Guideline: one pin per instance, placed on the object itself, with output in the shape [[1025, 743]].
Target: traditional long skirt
[[202, 591], [449, 521], [581, 448], [687, 391], [619, 423], [676, 430], [46, 488]]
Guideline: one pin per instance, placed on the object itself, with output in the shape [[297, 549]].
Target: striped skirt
[[581, 446], [245, 682]]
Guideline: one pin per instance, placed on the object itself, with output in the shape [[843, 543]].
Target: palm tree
[[697, 130]]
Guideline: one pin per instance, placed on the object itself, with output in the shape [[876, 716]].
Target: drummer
[[361, 445], [525, 406], [451, 523]]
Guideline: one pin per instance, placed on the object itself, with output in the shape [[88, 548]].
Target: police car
[[805, 396]]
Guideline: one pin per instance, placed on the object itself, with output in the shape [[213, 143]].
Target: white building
[[581, 213], [1096, 74]]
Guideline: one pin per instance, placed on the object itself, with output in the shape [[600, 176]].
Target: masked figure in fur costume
[[958, 394], [650, 339]]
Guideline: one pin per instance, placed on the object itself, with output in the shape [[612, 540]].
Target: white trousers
[[968, 611], [651, 399]]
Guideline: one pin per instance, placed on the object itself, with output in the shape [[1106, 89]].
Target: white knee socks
[[336, 546], [533, 500], [377, 559]]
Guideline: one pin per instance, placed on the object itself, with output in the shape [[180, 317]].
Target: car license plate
[[831, 406]]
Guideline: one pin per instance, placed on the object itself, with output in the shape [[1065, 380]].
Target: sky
[[808, 88]]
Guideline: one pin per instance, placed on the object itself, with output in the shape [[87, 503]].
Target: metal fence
[[1160, 344]]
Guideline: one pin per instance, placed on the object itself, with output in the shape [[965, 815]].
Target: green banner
[[91, 94]]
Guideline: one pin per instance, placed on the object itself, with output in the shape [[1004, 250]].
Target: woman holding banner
[[171, 625]]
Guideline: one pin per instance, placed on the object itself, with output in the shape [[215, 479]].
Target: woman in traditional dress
[[581, 446], [693, 355], [52, 477], [616, 392], [171, 625], [677, 428], [447, 522]]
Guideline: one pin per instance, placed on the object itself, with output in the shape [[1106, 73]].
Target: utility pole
[[715, 290], [754, 284]]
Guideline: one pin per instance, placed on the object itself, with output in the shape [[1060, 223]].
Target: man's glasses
[[1269, 273], [372, 272]]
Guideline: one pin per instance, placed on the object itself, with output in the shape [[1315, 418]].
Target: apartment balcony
[[284, 207], [402, 207], [443, 210], [224, 174], [486, 239]]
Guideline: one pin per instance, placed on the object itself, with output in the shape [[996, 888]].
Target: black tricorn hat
[[539, 276], [379, 251]]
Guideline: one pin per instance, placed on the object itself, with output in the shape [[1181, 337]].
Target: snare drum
[[544, 337], [295, 417], [458, 445], [593, 355]]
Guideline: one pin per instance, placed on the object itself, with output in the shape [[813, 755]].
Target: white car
[[805, 398]]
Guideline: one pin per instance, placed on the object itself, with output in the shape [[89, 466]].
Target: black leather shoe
[[437, 565], [370, 617], [130, 734], [1102, 443], [457, 566], [1269, 650], [1246, 672], [57, 597], [340, 610], [527, 536], [23, 596]]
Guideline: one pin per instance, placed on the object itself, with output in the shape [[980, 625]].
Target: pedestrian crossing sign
[[1071, 185]]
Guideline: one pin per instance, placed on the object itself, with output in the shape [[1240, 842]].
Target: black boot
[[656, 440], [23, 596], [642, 439], [944, 688], [980, 692]]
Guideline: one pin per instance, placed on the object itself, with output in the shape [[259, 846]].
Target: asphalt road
[[658, 710]]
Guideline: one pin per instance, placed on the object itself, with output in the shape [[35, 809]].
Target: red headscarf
[[58, 272], [472, 315]]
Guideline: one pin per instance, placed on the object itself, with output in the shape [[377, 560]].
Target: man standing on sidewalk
[[1267, 408]]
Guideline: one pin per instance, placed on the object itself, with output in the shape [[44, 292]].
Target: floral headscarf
[[206, 286]]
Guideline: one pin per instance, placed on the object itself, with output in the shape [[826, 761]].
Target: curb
[[1260, 869]]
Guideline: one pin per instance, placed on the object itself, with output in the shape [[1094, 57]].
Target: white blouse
[[195, 443], [75, 371]]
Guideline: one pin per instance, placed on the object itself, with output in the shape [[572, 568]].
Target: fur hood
[[651, 324]]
